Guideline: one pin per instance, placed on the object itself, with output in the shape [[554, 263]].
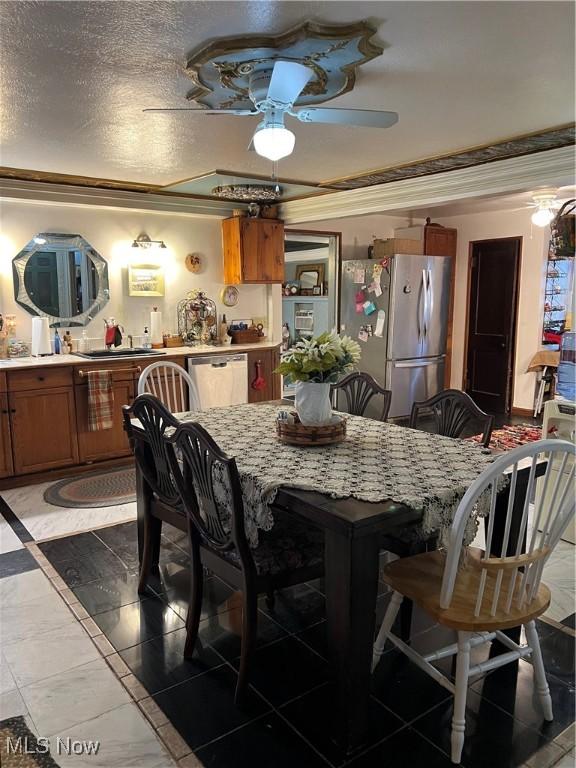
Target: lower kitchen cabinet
[[43, 429], [105, 443], [261, 363], [6, 468]]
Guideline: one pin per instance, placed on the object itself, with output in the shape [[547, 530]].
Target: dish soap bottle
[[146, 343], [285, 337], [57, 345], [83, 343]]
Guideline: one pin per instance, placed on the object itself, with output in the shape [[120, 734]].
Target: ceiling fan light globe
[[274, 142], [542, 217]]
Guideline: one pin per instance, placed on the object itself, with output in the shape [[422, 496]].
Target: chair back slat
[[359, 389], [209, 484], [171, 384], [148, 440], [453, 411], [510, 580]]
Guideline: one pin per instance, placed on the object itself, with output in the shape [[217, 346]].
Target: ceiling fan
[[274, 93]]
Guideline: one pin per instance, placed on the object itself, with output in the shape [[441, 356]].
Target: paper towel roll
[[40, 337], [156, 327]]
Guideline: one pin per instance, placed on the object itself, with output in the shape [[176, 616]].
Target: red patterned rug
[[511, 436]]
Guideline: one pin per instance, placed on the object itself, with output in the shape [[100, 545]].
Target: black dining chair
[[453, 411], [359, 389], [146, 422], [292, 552]]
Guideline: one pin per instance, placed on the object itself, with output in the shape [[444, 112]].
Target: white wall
[[488, 225], [111, 233], [358, 232]]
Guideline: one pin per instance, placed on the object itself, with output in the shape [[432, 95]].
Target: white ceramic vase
[[313, 403]]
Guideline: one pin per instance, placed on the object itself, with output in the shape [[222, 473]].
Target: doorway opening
[[493, 288], [311, 288]]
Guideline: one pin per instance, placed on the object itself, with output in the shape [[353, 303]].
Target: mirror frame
[[20, 261]]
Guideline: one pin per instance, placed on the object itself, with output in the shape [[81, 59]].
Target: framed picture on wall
[[145, 280]]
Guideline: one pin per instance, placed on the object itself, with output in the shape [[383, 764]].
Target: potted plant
[[315, 364]]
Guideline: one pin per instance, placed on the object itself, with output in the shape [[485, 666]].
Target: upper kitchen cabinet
[[253, 250], [440, 241]]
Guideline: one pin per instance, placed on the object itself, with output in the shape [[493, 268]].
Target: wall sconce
[[143, 241]]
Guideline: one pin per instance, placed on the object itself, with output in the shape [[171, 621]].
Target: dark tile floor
[[287, 719]]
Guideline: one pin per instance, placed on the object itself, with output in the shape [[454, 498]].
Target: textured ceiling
[[74, 77]]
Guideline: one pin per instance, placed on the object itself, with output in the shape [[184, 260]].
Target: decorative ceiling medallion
[[246, 193], [221, 70], [553, 138]]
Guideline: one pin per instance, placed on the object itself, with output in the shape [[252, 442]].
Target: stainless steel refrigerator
[[398, 310]]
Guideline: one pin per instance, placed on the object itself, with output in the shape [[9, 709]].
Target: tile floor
[[84, 656]]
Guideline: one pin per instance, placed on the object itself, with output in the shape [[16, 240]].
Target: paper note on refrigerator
[[359, 275], [380, 323]]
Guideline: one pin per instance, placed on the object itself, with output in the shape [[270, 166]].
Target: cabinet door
[[43, 429], [262, 251], [105, 443], [6, 468], [266, 361]]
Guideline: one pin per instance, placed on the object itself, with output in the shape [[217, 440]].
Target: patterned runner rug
[[19, 748], [511, 436], [94, 489]]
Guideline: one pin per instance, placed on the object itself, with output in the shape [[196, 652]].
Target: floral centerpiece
[[315, 364]]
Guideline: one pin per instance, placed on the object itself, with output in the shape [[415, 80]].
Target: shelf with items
[[557, 296]]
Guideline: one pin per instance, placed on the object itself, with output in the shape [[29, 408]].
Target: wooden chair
[[489, 592], [150, 452], [291, 553], [359, 388], [453, 411], [171, 384]]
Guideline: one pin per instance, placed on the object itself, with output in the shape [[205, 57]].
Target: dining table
[[383, 480]]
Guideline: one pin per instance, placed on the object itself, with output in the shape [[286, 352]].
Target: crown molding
[[553, 167], [34, 192]]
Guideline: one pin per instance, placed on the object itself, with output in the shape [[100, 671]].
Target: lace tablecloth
[[377, 462]]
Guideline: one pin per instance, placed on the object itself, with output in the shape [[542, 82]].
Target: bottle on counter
[[67, 343], [223, 335], [285, 337], [83, 343], [146, 342], [57, 343]]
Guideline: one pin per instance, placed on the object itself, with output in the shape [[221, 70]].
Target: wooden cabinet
[[105, 443], [6, 467], [43, 425], [266, 360], [253, 250]]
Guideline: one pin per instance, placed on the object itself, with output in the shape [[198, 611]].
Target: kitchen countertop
[[52, 360]]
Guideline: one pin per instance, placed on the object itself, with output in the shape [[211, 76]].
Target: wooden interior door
[[494, 272]]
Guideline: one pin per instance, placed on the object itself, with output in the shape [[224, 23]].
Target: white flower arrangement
[[321, 360]]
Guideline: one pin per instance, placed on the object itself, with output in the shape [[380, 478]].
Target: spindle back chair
[[479, 593], [171, 384]]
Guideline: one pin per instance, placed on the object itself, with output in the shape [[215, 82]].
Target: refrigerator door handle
[[430, 296], [417, 363], [423, 307]]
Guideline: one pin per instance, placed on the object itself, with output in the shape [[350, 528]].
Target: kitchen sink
[[114, 354]]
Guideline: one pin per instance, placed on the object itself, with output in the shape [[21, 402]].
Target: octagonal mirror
[[61, 277]]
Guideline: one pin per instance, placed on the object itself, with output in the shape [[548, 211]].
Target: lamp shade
[[274, 142], [542, 217]]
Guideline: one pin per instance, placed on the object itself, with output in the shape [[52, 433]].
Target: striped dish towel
[[100, 400]]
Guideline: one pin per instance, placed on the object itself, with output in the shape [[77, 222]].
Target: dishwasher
[[219, 379]]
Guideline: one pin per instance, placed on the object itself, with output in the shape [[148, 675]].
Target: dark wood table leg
[[351, 589], [143, 500]]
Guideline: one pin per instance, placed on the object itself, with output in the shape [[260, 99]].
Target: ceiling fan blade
[[370, 118], [205, 111], [287, 82]]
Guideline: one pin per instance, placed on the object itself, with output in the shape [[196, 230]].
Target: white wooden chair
[[479, 594], [171, 384]]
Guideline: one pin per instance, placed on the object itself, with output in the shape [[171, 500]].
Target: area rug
[[95, 489], [19, 747], [511, 436]]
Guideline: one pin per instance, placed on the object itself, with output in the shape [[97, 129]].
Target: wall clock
[[229, 296]]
